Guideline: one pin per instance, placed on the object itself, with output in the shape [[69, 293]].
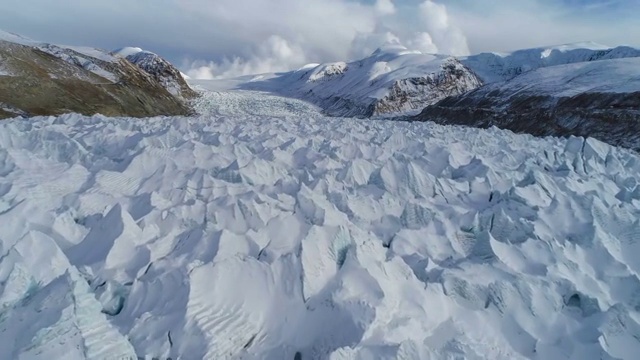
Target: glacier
[[261, 229]]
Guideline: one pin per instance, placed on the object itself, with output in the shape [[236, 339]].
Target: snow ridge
[[494, 67]]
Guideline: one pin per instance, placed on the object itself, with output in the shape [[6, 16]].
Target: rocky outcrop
[[44, 79], [161, 70]]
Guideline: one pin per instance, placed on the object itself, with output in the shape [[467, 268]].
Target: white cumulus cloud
[[275, 54], [214, 38], [323, 30], [385, 7]]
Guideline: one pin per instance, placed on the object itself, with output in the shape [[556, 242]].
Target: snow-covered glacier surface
[[263, 230]]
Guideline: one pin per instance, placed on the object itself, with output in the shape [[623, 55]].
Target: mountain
[[45, 79], [578, 92], [392, 81], [160, 69], [582, 89], [496, 67]]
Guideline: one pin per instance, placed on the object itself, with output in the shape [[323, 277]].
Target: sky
[[226, 38]]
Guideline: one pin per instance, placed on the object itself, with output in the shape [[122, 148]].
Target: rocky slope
[[160, 69], [392, 81], [599, 99], [46, 79]]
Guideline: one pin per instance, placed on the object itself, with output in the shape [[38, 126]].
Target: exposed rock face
[[596, 99], [163, 72], [418, 92], [44, 79]]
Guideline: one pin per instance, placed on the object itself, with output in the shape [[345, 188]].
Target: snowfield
[[264, 230]]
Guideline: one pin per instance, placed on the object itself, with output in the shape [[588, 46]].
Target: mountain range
[[582, 89]]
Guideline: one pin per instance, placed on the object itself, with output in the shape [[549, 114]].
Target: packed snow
[[261, 229]]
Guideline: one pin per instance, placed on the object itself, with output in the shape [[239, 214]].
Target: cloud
[[423, 42], [213, 38], [385, 7], [329, 30], [449, 39], [504, 25], [275, 54]]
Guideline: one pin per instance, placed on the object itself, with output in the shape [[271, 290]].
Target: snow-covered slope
[[596, 98], [495, 67], [263, 230], [393, 80], [161, 70], [610, 76]]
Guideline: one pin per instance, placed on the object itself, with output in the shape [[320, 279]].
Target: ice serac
[[160, 69], [392, 81], [262, 229], [47, 310]]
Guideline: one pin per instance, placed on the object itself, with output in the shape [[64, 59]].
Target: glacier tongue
[[264, 230]]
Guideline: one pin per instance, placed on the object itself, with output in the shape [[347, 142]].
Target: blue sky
[[234, 37]]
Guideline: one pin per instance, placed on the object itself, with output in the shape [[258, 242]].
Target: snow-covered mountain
[[38, 78], [496, 67], [392, 81], [600, 99], [163, 71], [583, 89], [264, 230]]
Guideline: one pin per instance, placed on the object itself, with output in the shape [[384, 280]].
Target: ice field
[[261, 229]]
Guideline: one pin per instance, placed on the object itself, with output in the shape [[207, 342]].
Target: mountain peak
[[160, 69], [128, 51]]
